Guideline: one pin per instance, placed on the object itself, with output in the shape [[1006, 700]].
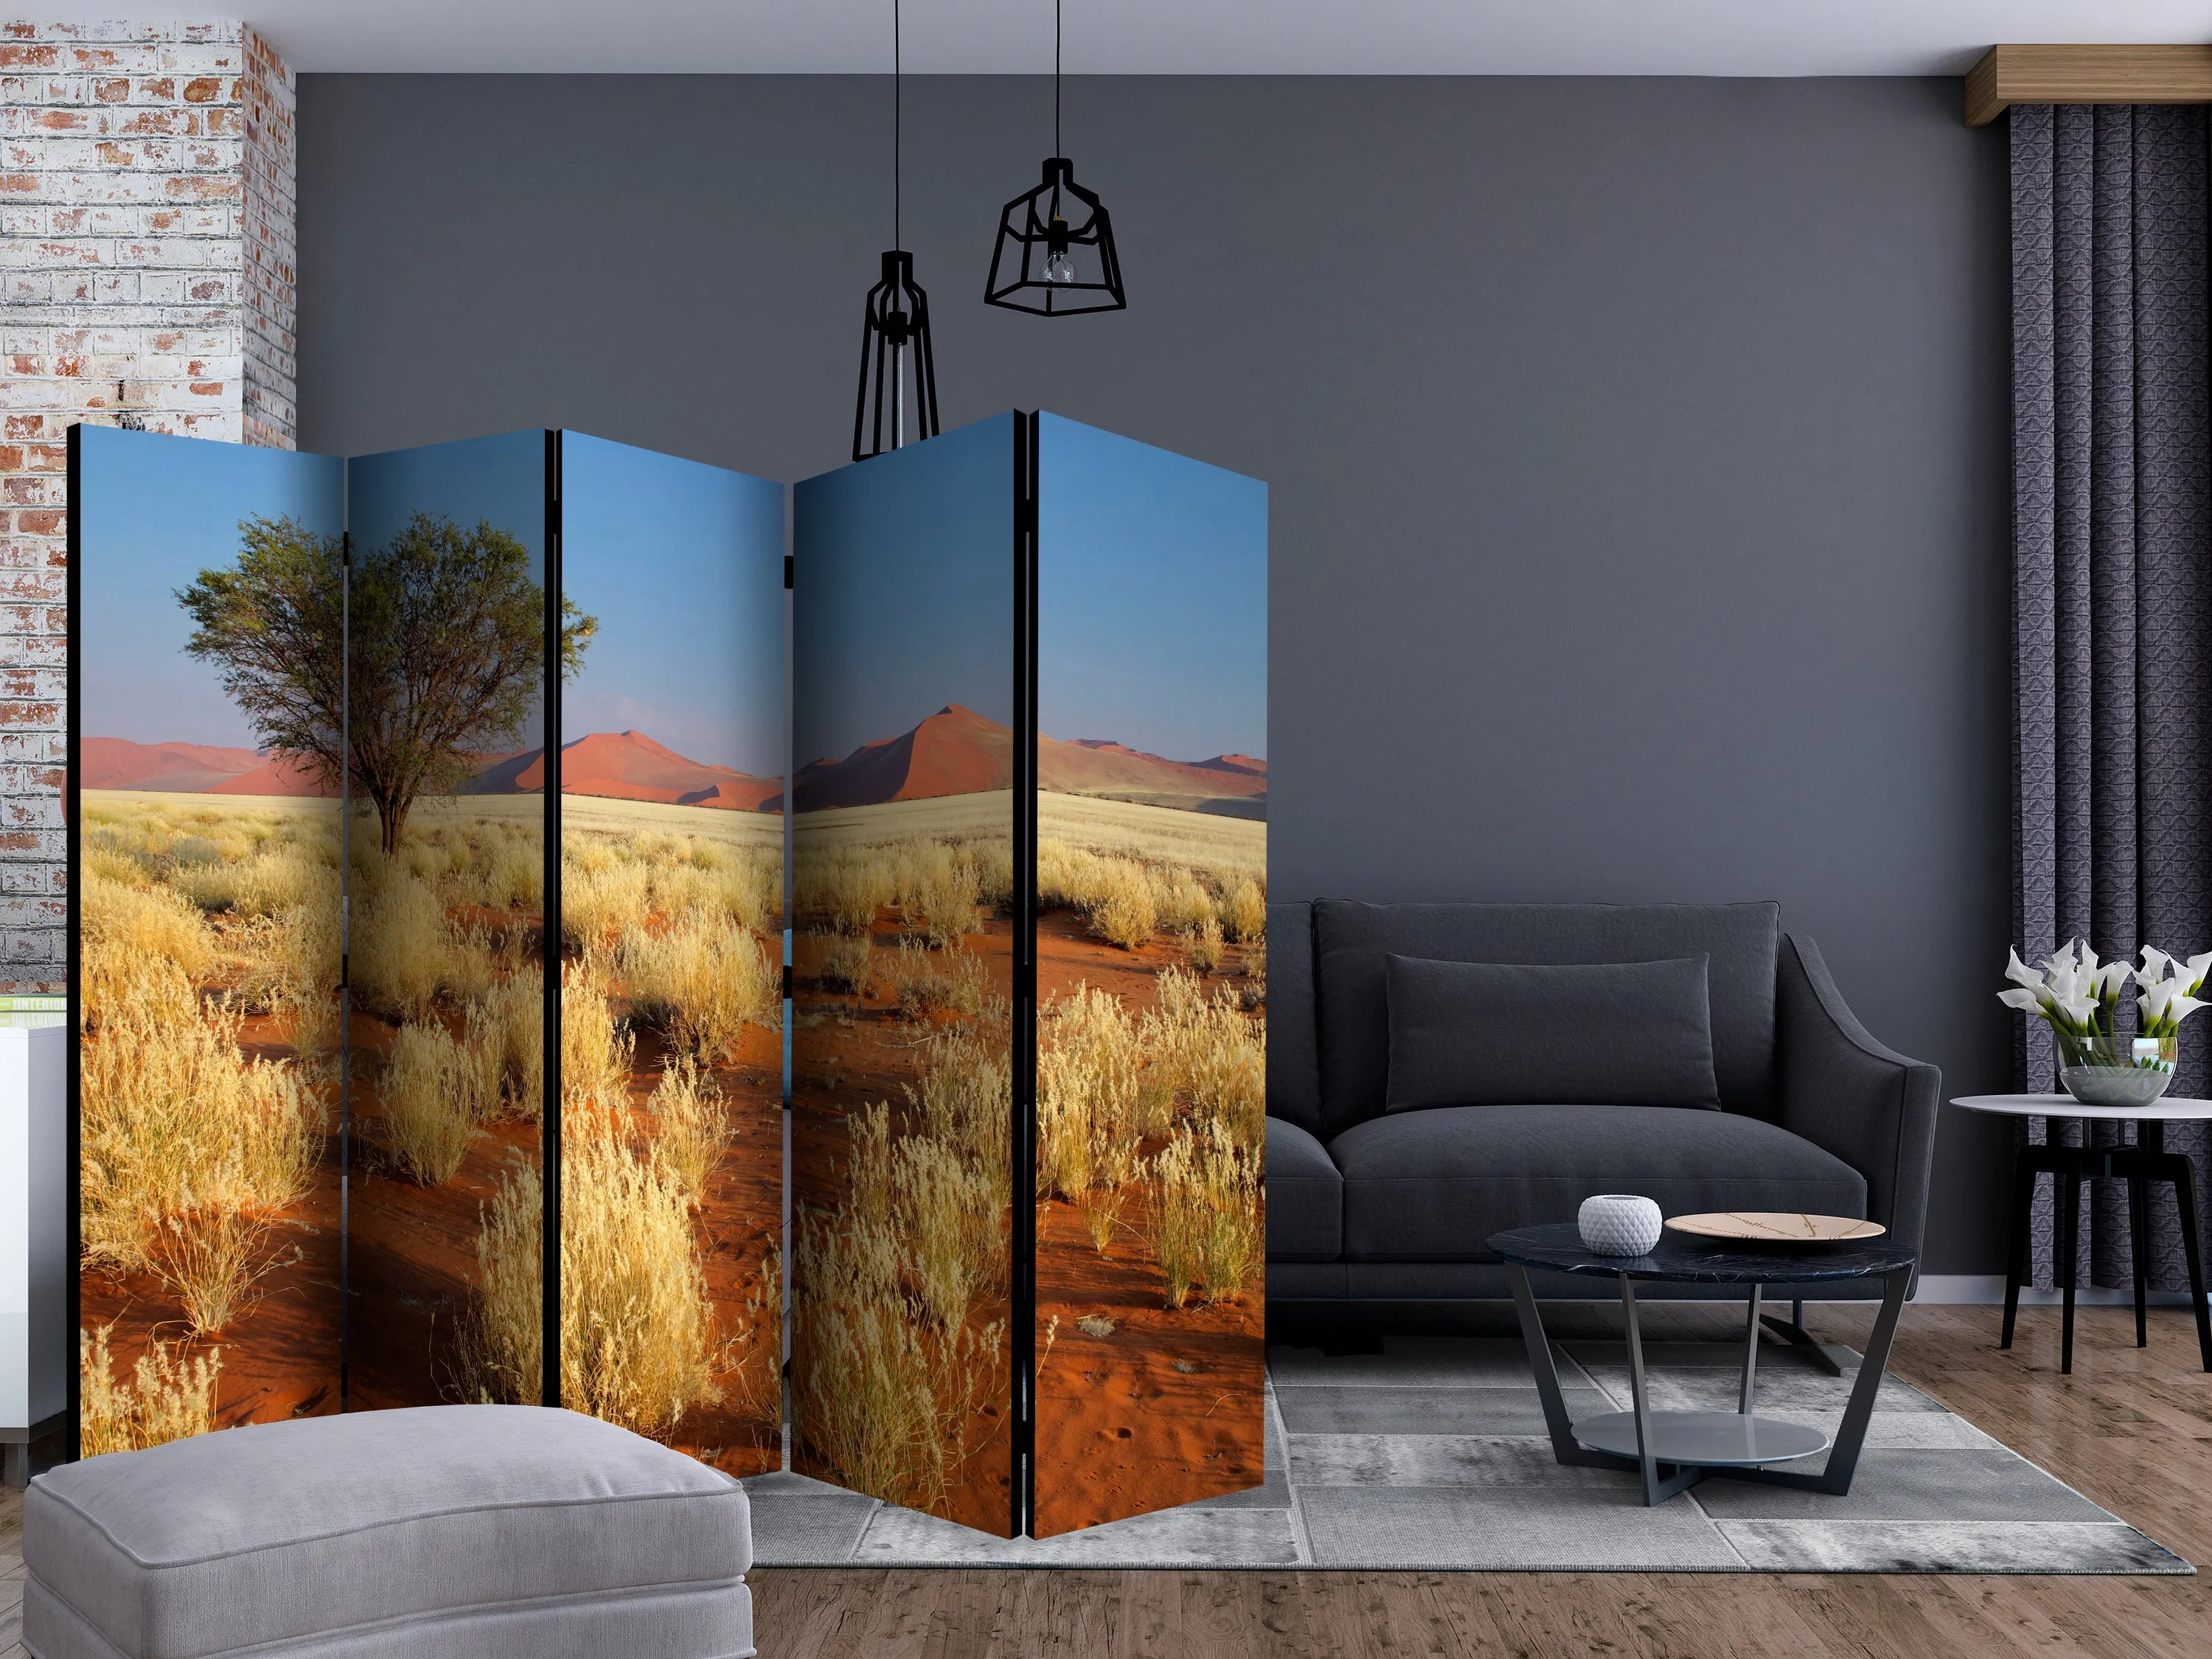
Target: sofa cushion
[[1432, 1186], [284, 1531], [1305, 1197], [1293, 1061], [1491, 1033], [1353, 943]]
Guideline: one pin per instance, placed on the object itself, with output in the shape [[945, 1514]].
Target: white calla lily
[[2019, 972], [2155, 965], [2192, 978], [2028, 1002]]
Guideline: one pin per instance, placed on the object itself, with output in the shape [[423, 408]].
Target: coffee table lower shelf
[[1713, 1440]]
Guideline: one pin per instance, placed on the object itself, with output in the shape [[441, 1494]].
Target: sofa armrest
[[1850, 1095]]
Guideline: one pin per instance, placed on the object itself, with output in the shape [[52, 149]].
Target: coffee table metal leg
[[1835, 1478], [1750, 1351], [1565, 1447], [1799, 1338], [1642, 1401]]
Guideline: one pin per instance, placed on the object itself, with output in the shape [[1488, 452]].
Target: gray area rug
[[1431, 1454]]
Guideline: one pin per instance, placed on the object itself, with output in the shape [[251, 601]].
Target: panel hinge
[[786, 982], [345, 548], [553, 515], [786, 569]]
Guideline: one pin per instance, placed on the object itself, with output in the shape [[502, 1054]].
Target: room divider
[[423, 1058]]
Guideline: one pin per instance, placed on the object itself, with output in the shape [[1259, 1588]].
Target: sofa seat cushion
[[284, 1533], [1432, 1186], [1305, 1197]]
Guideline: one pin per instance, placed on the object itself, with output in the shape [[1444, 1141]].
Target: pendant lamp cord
[[898, 120], [1056, 149]]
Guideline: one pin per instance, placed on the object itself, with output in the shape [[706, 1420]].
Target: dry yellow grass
[[1209, 1055], [150, 921], [436, 1092], [1244, 911], [402, 953], [170, 1396], [925, 982], [209, 1261], [176, 1123], [595, 1050], [502, 1353], [1202, 948], [936, 890], [701, 980], [690, 1123], [845, 964], [510, 1019], [1206, 1207], [1090, 1080]]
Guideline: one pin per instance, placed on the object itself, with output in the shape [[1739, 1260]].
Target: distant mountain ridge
[[957, 751], [617, 765]]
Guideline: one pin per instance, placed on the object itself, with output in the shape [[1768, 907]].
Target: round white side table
[[2145, 1161]]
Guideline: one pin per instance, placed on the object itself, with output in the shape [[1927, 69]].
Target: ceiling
[[1179, 37]]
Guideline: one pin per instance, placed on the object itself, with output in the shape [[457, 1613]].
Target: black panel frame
[[549, 1108], [73, 861]]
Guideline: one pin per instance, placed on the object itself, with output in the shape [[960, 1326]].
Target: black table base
[[2138, 1165], [1662, 1479]]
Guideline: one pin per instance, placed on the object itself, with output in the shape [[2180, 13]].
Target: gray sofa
[[1369, 1208]]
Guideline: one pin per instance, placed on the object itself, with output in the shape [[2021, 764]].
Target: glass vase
[[2101, 1069]]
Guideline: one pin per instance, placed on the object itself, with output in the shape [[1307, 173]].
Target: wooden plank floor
[[2132, 1429]]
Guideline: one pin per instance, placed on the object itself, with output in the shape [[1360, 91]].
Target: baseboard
[[1991, 1287]]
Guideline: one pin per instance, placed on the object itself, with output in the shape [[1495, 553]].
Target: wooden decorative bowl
[[1775, 1227]]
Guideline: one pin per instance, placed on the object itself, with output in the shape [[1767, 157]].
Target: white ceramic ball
[[1619, 1223]]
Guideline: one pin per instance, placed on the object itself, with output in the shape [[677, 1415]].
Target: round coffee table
[[2145, 1161], [1688, 1446]]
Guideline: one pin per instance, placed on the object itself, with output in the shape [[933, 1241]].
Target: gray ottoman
[[477, 1532]]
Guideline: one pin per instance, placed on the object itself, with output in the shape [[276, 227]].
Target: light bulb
[[1058, 268]]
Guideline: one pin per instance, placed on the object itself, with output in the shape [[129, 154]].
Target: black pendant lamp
[[895, 364], [1055, 254]]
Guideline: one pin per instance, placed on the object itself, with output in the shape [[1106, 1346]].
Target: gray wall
[[1637, 448]]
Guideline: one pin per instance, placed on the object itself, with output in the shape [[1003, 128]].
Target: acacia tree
[[444, 657]]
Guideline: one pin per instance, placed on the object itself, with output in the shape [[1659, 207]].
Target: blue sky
[[499, 479], [683, 565], [905, 598], [155, 512], [1151, 597]]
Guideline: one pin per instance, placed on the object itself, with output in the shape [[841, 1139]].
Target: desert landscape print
[[672, 900], [902, 849], [1151, 978], [208, 896]]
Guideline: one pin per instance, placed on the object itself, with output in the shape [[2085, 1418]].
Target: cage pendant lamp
[[1055, 254], [897, 370]]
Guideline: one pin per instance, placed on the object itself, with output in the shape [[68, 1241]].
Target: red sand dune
[[630, 766], [185, 768], [957, 751], [280, 775]]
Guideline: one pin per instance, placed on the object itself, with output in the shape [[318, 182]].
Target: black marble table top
[[1681, 1257]]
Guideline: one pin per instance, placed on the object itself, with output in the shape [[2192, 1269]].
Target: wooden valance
[[2086, 75]]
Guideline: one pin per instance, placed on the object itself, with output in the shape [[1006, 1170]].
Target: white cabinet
[[35, 1338]]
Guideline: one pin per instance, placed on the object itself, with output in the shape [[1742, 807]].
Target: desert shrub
[[175, 1120], [690, 1124], [1202, 948], [1181, 903], [1119, 903], [990, 866], [844, 892], [963, 1096], [758, 1367], [472, 961], [209, 1261], [502, 1349], [435, 1092], [511, 874], [510, 1019], [110, 864], [845, 966], [595, 1050], [636, 1325], [1206, 1205], [702, 981], [937, 894], [153, 920], [170, 1396], [1255, 994], [596, 902], [950, 1229], [305, 960], [1244, 911], [401, 954], [925, 983], [1209, 1055], [1088, 1072]]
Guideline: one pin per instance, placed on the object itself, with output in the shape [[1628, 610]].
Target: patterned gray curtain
[[2113, 600]]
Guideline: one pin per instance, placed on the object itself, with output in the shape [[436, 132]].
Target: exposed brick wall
[[146, 250]]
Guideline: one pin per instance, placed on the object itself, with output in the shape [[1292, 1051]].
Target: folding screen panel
[[205, 677], [1152, 876], [904, 692], [672, 894], [450, 658]]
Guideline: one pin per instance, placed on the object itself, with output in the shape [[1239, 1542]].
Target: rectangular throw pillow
[[1508, 1034]]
